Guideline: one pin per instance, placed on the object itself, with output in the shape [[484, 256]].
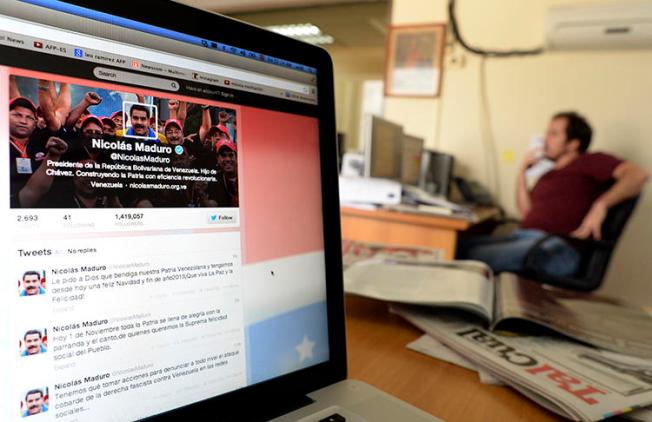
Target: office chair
[[595, 254]]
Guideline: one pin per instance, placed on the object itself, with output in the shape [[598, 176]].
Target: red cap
[[216, 128], [173, 122], [224, 129], [226, 144], [91, 119], [22, 102], [116, 113], [108, 121]]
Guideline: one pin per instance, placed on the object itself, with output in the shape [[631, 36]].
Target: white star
[[305, 349]]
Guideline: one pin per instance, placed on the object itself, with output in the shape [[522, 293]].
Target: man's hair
[[31, 273], [30, 332], [35, 391], [139, 107], [576, 128]]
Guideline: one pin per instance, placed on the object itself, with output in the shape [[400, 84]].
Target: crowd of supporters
[[46, 129]]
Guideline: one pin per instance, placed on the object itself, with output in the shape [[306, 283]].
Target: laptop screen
[[161, 199]]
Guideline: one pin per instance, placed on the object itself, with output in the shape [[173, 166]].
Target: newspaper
[[466, 285], [573, 380], [433, 348], [353, 251], [597, 320], [642, 415], [416, 277]]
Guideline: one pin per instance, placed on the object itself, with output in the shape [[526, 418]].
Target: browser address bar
[[81, 40]]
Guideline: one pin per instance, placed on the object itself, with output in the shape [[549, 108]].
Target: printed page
[[464, 285], [354, 251], [593, 319], [587, 383]]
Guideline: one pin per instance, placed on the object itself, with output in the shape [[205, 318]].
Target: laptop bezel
[[205, 24]]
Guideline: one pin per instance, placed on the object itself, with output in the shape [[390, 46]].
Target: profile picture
[[34, 342], [140, 121], [35, 401], [32, 283]]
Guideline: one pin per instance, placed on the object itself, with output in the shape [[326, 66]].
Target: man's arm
[[630, 179], [13, 87], [46, 102], [522, 193], [177, 110], [90, 99], [63, 103], [206, 122], [182, 112]]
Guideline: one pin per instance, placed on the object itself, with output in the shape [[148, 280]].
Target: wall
[[352, 67], [612, 88], [358, 52]]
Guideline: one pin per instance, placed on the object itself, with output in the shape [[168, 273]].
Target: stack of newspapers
[[581, 356]]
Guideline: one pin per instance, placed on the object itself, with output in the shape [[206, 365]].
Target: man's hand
[[592, 224], [173, 105], [530, 159], [92, 98], [55, 147]]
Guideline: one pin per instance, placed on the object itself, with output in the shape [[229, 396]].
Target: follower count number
[[129, 216]]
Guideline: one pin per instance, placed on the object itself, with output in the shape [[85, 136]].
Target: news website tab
[[164, 235]]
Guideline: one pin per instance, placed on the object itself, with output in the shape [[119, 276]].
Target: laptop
[[171, 241]]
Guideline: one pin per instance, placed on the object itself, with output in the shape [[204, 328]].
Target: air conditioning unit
[[612, 25]]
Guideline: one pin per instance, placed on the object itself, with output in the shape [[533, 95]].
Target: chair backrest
[[612, 228]]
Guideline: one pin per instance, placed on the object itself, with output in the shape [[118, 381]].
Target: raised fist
[[173, 104], [55, 147], [92, 98]]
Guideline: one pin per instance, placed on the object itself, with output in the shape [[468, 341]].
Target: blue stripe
[[272, 343]]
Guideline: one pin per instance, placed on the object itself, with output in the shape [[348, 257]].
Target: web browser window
[[163, 239]]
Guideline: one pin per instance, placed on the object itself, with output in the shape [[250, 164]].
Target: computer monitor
[[169, 212], [383, 149], [411, 157], [438, 171]]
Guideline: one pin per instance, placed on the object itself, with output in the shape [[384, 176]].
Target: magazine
[[576, 381], [506, 302]]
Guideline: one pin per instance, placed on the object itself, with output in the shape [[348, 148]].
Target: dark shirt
[[35, 150], [224, 192], [562, 197]]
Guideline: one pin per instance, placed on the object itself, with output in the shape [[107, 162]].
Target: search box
[[135, 79]]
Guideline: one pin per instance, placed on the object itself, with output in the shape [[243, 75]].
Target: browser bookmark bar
[[117, 49]]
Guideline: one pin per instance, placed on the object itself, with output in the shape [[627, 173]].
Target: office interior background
[[490, 108]]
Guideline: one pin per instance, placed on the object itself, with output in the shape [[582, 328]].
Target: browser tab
[[152, 62]]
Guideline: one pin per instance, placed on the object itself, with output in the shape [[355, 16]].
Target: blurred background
[[489, 108]]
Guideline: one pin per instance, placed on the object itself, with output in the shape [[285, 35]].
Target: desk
[[433, 231], [377, 355]]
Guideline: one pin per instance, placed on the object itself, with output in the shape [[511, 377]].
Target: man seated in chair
[[572, 199]]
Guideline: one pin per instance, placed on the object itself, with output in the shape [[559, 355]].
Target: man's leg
[[508, 253], [501, 253], [557, 258]]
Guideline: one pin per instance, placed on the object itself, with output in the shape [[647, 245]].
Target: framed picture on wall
[[415, 60]]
